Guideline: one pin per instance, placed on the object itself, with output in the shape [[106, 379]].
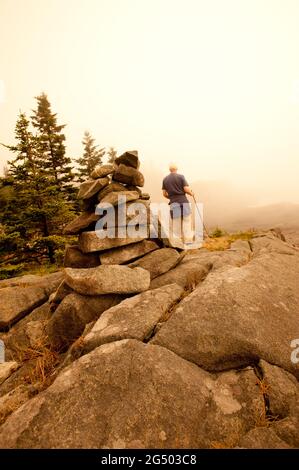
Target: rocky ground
[[141, 345], [201, 358]]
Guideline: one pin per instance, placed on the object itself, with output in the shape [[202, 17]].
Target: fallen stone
[[128, 175], [74, 312], [107, 280], [237, 316], [102, 171], [91, 187], [124, 254], [82, 222], [158, 262], [133, 318], [114, 186], [128, 159], [128, 394], [90, 242], [6, 369], [74, 258]]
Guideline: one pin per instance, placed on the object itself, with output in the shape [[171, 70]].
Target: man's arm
[[165, 193], [188, 190]]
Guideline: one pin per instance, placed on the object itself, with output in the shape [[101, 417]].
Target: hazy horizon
[[213, 86]]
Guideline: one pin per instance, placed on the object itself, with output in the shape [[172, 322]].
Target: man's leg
[[188, 233], [177, 227]]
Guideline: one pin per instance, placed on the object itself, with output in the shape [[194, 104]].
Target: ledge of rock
[[107, 280]]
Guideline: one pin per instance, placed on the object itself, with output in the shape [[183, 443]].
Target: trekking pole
[[204, 227]]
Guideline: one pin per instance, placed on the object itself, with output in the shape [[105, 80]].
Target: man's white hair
[[173, 167]]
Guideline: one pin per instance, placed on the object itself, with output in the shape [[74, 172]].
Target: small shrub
[[217, 233], [10, 270]]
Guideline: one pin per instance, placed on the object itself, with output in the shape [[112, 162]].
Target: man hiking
[[175, 188]]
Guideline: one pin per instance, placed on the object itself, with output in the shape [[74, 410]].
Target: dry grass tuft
[[44, 360], [224, 241]]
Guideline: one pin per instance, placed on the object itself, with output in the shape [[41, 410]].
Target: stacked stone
[[100, 272], [105, 185]]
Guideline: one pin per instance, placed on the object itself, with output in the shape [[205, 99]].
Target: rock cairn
[[106, 184], [110, 268]]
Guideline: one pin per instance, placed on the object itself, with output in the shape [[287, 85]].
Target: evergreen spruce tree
[[112, 154], [51, 147], [38, 209], [92, 157]]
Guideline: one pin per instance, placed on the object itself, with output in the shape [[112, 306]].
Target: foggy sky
[[210, 84]]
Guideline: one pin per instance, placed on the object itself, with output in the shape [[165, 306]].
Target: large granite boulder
[[107, 280], [128, 394], [91, 187], [128, 175], [123, 254], [74, 312], [135, 317], [239, 315]]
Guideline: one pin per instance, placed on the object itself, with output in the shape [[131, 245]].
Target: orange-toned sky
[[210, 84]]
